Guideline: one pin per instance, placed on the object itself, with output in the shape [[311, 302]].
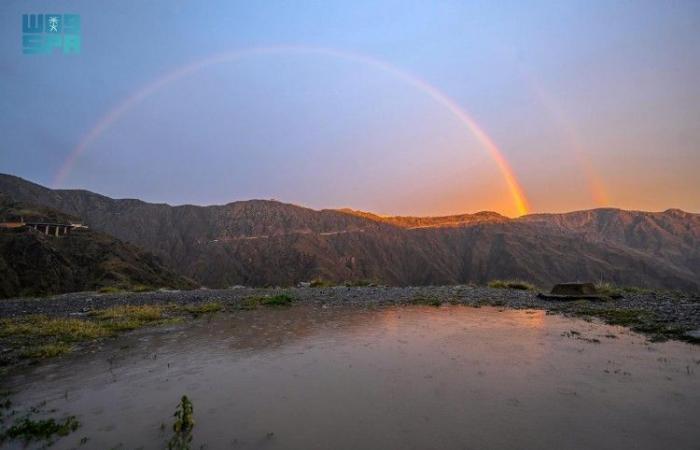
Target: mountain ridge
[[263, 242], [36, 263]]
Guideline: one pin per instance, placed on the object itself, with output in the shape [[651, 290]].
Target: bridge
[[47, 228]]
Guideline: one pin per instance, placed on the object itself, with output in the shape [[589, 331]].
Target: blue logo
[[45, 33]]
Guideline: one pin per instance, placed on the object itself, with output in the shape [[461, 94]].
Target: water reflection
[[398, 377]]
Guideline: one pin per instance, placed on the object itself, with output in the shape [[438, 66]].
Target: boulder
[[573, 291]]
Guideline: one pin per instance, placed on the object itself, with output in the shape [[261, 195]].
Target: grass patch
[[110, 290], [29, 430], [360, 283], [40, 336], [319, 283], [613, 290], [142, 288], [129, 317], [277, 300], [205, 308], [623, 317], [63, 329], [43, 351], [511, 284], [637, 320], [426, 301], [274, 300]]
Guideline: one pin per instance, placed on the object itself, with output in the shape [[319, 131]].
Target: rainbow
[[516, 192], [596, 187]]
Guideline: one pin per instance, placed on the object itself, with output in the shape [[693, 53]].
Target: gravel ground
[[661, 315]]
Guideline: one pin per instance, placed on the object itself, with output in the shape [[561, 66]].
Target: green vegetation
[[624, 317], [511, 284], [29, 430], [183, 425], [360, 283], [274, 300], [277, 300], [319, 282], [612, 290], [428, 301], [110, 290], [142, 288], [129, 317], [41, 336], [205, 308], [60, 328], [637, 320], [120, 288], [44, 351]]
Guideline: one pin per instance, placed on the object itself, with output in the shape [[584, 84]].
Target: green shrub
[[318, 282], [29, 430], [511, 284]]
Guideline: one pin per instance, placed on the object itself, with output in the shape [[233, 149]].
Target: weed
[[612, 290], [275, 300], [511, 284], [638, 320], [183, 425], [142, 288], [318, 282], [47, 350], [128, 317], [428, 301], [205, 308], [28, 429], [109, 290], [64, 329], [360, 283], [250, 303]]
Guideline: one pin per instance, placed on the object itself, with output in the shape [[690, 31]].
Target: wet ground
[[383, 377]]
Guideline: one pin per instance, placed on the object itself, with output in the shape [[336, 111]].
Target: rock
[[695, 334]]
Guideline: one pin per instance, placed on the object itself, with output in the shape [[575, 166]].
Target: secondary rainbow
[[516, 192]]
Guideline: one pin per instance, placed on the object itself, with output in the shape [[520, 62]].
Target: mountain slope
[[263, 242], [32, 263]]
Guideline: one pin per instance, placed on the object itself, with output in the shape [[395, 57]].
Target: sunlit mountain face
[[269, 243], [409, 110]]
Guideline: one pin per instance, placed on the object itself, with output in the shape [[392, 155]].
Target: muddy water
[[389, 378]]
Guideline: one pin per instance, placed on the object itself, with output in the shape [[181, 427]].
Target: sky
[[394, 107]]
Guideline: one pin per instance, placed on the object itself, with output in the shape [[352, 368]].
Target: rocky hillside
[[32, 263], [270, 243]]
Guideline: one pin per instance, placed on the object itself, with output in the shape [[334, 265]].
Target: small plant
[[319, 282], [28, 429], [109, 290], [205, 308], [183, 425], [142, 288], [275, 300], [511, 284], [360, 283], [64, 329], [128, 317], [47, 350], [612, 290], [429, 301]]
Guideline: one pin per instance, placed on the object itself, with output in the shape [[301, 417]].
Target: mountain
[[261, 242], [33, 263]]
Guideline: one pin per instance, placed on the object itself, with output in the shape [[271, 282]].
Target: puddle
[[387, 378]]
